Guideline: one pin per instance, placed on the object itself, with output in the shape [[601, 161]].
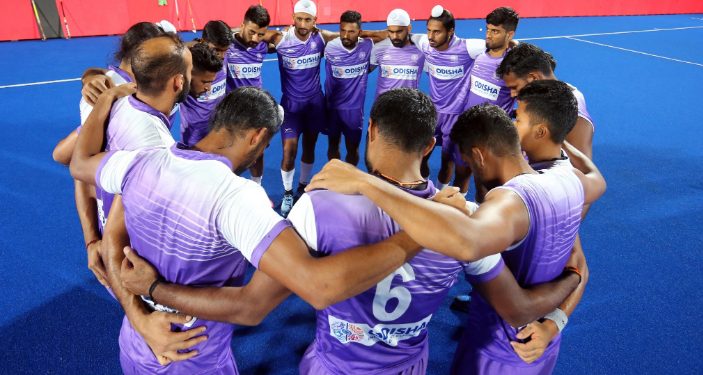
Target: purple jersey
[[196, 112], [486, 86], [133, 125], [244, 64], [347, 74], [299, 65], [384, 329], [397, 67], [554, 200], [198, 224], [448, 71], [581, 101]]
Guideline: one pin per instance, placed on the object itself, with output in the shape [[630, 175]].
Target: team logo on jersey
[[445, 73], [390, 334], [362, 54], [259, 56], [454, 58], [484, 88], [302, 62], [352, 71], [244, 71], [403, 72], [313, 45], [217, 90], [414, 57]]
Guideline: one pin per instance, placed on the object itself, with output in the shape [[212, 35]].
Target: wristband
[[574, 270], [153, 287], [559, 318], [91, 242]]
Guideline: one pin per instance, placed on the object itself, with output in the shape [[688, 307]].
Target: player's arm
[[541, 333], [64, 149], [375, 35], [247, 305], [94, 82], [87, 153], [520, 306], [327, 35], [581, 137], [86, 206], [273, 37], [500, 222], [155, 327], [593, 181]]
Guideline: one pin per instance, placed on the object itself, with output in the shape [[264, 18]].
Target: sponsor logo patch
[[484, 88], [390, 334], [445, 73], [404, 72], [302, 62], [350, 71]]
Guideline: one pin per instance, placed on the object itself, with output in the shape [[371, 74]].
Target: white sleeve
[[420, 40], [113, 169], [482, 266], [475, 47], [85, 110], [374, 55], [247, 221], [302, 216]]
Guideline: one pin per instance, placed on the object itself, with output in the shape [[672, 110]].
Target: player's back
[[384, 329]]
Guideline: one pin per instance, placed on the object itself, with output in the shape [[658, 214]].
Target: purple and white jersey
[[398, 67], [384, 329], [486, 86], [554, 201], [198, 224], [133, 125], [347, 73], [244, 64], [299, 64], [581, 101], [196, 112], [118, 76], [449, 70]]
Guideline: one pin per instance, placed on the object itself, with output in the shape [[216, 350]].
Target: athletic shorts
[[349, 122], [302, 116], [445, 124]]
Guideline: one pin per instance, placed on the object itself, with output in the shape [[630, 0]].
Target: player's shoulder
[[326, 200]]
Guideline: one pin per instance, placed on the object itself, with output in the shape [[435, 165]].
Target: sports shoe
[[300, 191], [287, 203]]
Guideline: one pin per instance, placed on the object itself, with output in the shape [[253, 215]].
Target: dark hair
[[486, 125], [551, 102], [351, 16], [503, 16], [405, 117], [218, 33], [247, 108], [258, 15], [134, 36], [205, 58], [446, 18], [153, 67], [524, 59]]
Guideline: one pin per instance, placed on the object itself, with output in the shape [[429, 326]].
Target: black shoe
[[461, 303], [300, 191]]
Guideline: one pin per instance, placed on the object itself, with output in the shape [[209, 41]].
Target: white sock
[[287, 178], [305, 173], [441, 186], [257, 179]]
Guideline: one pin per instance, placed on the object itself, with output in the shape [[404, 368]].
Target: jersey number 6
[[384, 293]]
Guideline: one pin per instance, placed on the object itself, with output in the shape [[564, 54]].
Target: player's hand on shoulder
[[95, 85], [137, 274], [451, 196], [339, 177], [540, 335]]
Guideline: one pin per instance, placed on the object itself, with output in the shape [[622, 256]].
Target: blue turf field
[[643, 239]]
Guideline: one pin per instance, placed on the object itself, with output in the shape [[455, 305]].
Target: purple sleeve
[[261, 248]]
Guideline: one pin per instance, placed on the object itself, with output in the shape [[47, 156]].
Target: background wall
[[103, 17]]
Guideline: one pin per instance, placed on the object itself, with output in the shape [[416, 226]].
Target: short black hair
[[247, 108], [351, 16], [553, 103], [258, 15], [218, 33], [134, 36], [486, 125], [446, 18], [205, 58], [405, 117], [524, 59], [152, 70], [503, 16]]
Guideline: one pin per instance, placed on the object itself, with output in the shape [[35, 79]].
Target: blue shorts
[[349, 122], [445, 124], [302, 116]]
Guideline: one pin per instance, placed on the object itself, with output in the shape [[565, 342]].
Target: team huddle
[[171, 228]]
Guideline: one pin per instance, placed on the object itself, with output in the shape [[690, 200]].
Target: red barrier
[[102, 17]]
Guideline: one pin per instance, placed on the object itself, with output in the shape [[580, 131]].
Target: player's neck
[[220, 142], [513, 166], [399, 166], [498, 52], [547, 152], [127, 67], [302, 38], [161, 103]]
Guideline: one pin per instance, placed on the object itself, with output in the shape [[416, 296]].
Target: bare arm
[[520, 306], [581, 137], [273, 37], [247, 305], [324, 281], [86, 206], [327, 35], [593, 182], [435, 225], [375, 35], [64, 149]]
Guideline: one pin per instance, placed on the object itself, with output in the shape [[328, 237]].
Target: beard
[[183, 95], [398, 43]]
